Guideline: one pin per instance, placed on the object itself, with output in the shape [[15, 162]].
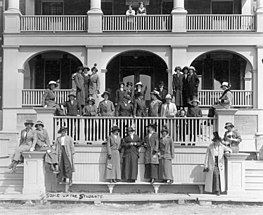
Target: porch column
[[259, 16], [179, 56], [259, 79], [34, 173], [95, 17], [12, 17], [246, 7], [179, 16], [30, 7]]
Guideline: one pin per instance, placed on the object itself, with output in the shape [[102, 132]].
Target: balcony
[[242, 98], [149, 23]]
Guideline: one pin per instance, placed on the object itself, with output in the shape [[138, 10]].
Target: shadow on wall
[[197, 174]]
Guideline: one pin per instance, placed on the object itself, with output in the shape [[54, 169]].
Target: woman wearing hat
[[43, 144], [214, 166], [131, 144], [151, 144], [49, 96], [155, 105], [27, 140], [185, 91], [90, 109], [80, 89], [162, 91], [113, 168], [193, 81], [168, 109], [166, 156], [71, 105], [232, 137], [140, 108], [129, 89], [86, 75], [94, 85], [178, 87], [124, 108], [139, 88], [120, 93], [65, 151], [106, 107]]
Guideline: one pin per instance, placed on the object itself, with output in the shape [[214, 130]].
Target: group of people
[[140, 12]]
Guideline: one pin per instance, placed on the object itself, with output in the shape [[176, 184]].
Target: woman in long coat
[[86, 76], [193, 83], [94, 85], [106, 107], [178, 87], [80, 94], [214, 166], [49, 96], [113, 166], [140, 108], [151, 144], [65, 150], [185, 91], [155, 105], [166, 156], [131, 144], [42, 143]]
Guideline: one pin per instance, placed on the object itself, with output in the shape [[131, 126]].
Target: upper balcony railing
[[212, 22], [137, 23], [242, 98]]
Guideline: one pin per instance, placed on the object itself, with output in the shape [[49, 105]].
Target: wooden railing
[[212, 22], [241, 98], [137, 23], [33, 97], [183, 130], [53, 23]]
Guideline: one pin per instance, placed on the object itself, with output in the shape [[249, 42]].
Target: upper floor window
[[55, 7]]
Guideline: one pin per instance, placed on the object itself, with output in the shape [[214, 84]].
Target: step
[[10, 189], [16, 181]]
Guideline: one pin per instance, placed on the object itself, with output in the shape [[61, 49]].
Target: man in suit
[[162, 91], [106, 107], [168, 109], [139, 106], [28, 138], [124, 108], [71, 105]]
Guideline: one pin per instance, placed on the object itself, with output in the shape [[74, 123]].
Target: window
[[52, 7]]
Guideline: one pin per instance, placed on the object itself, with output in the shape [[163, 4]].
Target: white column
[[259, 78], [179, 5], [13, 5], [95, 17], [246, 7], [179, 16], [95, 5], [30, 7], [259, 16], [259, 5]]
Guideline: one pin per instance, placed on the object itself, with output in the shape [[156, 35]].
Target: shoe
[[218, 193], [169, 181], [152, 181]]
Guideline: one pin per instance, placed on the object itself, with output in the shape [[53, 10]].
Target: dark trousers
[[216, 177]]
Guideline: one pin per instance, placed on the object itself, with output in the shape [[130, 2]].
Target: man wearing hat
[[94, 85], [124, 108], [80, 89], [168, 109], [162, 91], [106, 107], [65, 151], [193, 81], [131, 144], [178, 86], [151, 144], [155, 105], [71, 105], [90, 109], [138, 88], [49, 95], [28, 139], [232, 137], [140, 108], [214, 166], [120, 93]]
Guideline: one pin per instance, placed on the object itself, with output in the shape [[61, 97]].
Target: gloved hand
[[109, 157]]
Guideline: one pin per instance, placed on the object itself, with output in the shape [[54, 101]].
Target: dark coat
[[139, 108], [119, 96], [79, 81], [194, 111], [167, 148], [72, 109], [162, 94], [123, 109], [185, 91], [90, 110], [154, 108], [106, 109], [86, 86], [152, 147], [193, 85], [178, 89]]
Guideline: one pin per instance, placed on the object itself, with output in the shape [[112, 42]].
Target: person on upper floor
[[106, 107], [140, 108], [162, 91], [178, 87], [71, 105], [155, 105], [80, 89], [139, 88], [125, 108], [193, 81], [90, 108], [120, 93], [168, 109], [141, 10], [130, 11], [129, 89], [86, 74], [194, 110], [185, 91], [49, 96], [232, 137], [94, 85]]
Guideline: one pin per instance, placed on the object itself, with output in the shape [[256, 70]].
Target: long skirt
[[216, 180], [115, 171], [166, 172], [151, 171], [65, 167], [51, 157], [130, 166], [18, 152]]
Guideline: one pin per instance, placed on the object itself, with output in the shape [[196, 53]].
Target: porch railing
[[137, 23], [53, 23], [34, 97], [241, 98], [212, 22], [183, 130]]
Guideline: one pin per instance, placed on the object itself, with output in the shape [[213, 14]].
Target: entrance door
[[222, 7]]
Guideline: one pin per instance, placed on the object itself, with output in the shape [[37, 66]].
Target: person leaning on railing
[[49, 96], [155, 105], [90, 108], [106, 107], [232, 137], [168, 109], [140, 108], [125, 108]]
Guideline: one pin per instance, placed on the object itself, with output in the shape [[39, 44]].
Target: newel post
[[12, 17]]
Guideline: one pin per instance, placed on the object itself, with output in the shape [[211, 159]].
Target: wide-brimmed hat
[[194, 100], [52, 82], [115, 128], [131, 128], [226, 84], [39, 123], [121, 83], [185, 68], [153, 125], [216, 136], [129, 84], [94, 68], [91, 99], [79, 68], [178, 68], [161, 83], [72, 93], [63, 128], [229, 124], [192, 68], [155, 92], [164, 129], [139, 83], [85, 67], [168, 96], [103, 94], [29, 121], [127, 96]]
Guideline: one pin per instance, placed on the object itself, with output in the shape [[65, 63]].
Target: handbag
[[109, 164]]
